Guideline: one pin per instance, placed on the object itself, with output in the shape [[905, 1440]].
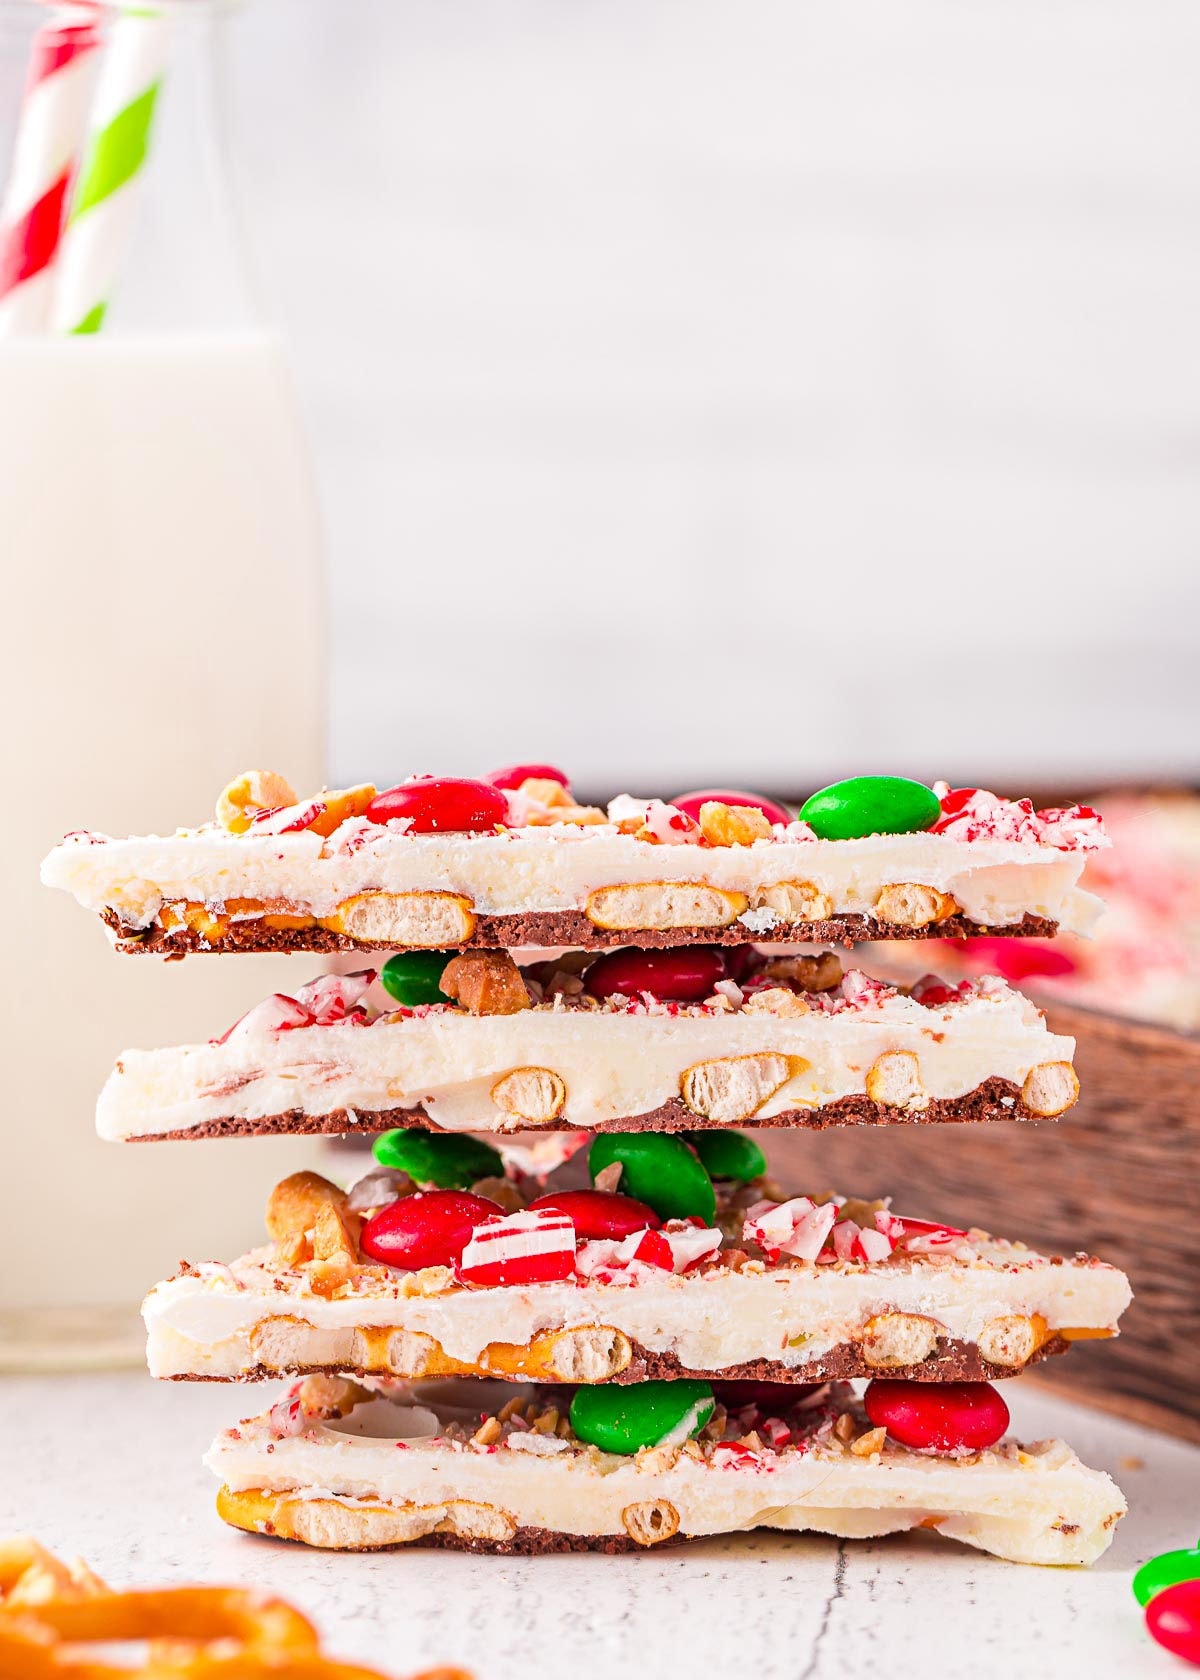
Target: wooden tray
[[1116, 1176]]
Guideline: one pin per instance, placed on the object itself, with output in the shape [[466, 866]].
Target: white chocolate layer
[[1036, 1504], [613, 1065], [227, 1321], [521, 871]]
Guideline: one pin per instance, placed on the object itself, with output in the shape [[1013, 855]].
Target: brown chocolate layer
[[525, 1542], [951, 1361], [563, 928], [995, 1099]]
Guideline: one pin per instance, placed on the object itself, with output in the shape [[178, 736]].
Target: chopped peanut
[[296, 1201], [871, 1442], [733, 825], [253, 790], [485, 983], [340, 807], [775, 1000]]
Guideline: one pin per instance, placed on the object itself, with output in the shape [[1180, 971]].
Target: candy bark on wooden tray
[[443, 862], [702, 1278], [687, 1324], [650, 1040], [490, 1468]]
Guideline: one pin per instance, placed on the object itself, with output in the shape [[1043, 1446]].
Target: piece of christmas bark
[[443, 862], [663, 1040], [491, 1468], [693, 1266]]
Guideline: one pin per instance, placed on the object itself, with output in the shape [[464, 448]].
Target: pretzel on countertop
[[52, 1614]]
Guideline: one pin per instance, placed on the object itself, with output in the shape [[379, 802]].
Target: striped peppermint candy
[[533, 1246], [50, 131], [103, 203]]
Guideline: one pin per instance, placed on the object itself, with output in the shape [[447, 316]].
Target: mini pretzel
[[193, 1633]]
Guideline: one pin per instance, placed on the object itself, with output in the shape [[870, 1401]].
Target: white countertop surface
[[107, 1467]]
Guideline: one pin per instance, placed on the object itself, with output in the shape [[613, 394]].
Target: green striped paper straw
[[103, 205]]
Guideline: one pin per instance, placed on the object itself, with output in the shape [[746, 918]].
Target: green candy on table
[[871, 805], [657, 1169], [623, 1419], [443, 1159], [412, 977], [1166, 1570], [727, 1154]]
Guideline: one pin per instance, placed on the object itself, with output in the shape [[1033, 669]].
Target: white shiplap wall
[[762, 391]]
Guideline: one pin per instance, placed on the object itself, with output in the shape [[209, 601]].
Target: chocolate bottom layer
[[951, 1361], [524, 1542], [571, 929], [995, 1099]]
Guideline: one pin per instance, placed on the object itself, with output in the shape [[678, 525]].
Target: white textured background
[[762, 391]]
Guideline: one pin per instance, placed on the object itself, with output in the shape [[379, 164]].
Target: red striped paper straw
[[50, 133]]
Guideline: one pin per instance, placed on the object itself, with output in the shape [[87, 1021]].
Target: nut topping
[[253, 790], [485, 982], [297, 1201], [733, 825]]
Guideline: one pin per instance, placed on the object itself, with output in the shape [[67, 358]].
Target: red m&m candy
[[429, 1229], [690, 803], [686, 974], [512, 775], [1173, 1619], [944, 1416], [449, 804], [596, 1214]]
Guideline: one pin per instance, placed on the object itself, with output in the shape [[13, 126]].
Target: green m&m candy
[[659, 1170], [412, 977], [871, 805], [1166, 1570], [442, 1159], [648, 1414], [726, 1154]]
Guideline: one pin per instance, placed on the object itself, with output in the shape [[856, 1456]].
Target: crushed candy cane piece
[[533, 1246], [671, 826], [278, 1013], [975, 814], [287, 819], [288, 1417], [797, 1227], [331, 997]]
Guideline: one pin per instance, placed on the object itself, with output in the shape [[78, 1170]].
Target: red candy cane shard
[[527, 1247]]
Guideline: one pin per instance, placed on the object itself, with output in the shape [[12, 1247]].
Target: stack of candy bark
[[566, 1307]]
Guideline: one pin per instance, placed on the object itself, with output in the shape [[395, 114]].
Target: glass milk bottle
[[164, 613]]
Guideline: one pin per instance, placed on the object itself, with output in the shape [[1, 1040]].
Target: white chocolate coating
[[995, 882], [205, 1323], [1036, 1504], [613, 1065]]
